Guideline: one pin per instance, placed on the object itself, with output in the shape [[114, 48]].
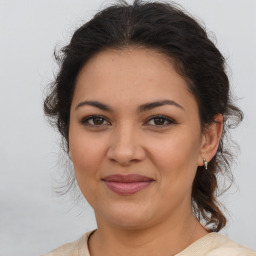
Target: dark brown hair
[[171, 31]]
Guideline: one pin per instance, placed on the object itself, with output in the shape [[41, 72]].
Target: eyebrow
[[151, 105], [141, 108], [94, 104]]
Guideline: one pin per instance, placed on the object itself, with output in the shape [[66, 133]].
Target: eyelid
[[170, 120], [84, 120]]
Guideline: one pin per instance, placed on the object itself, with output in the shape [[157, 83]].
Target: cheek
[[87, 154], [176, 157]]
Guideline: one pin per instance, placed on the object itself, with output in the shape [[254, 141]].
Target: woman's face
[[135, 138]]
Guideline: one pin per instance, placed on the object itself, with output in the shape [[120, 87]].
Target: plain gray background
[[33, 219]]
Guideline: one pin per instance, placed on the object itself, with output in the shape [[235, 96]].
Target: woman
[[142, 101]]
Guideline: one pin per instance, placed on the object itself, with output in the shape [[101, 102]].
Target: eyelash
[[85, 121], [165, 118]]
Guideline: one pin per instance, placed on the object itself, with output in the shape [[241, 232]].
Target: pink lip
[[127, 184]]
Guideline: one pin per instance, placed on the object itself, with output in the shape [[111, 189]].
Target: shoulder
[[76, 248], [216, 244], [213, 244], [228, 247]]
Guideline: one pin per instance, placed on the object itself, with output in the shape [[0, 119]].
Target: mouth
[[127, 184]]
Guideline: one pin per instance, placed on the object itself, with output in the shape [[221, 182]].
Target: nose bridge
[[125, 144]]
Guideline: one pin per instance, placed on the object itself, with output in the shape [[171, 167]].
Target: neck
[[167, 239]]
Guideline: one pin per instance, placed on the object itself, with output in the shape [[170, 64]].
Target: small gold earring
[[205, 164]]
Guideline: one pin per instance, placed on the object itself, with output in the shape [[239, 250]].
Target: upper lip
[[127, 178]]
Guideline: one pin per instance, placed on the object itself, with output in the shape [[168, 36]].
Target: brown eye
[[160, 121], [95, 121], [98, 120]]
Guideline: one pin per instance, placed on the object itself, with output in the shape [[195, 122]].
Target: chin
[[129, 218]]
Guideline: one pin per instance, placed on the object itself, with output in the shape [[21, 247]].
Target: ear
[[210, 139]]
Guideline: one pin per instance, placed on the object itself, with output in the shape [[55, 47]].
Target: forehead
[[131, 76]]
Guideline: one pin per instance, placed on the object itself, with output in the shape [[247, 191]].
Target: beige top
[[212, 244]]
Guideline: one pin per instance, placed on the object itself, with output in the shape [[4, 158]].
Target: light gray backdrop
[[32, 219]]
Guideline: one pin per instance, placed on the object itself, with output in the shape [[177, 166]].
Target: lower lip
[[127, 188]]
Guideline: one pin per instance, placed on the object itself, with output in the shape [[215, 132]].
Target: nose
[[125, 146]]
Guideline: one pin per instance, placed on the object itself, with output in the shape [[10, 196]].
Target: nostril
[[126, 156]]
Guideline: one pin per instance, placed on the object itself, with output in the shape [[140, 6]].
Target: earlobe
[[211, 138]]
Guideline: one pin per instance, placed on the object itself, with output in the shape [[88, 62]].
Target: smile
[[127, 184]]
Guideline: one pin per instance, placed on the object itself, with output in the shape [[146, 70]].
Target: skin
[[157, 220]]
